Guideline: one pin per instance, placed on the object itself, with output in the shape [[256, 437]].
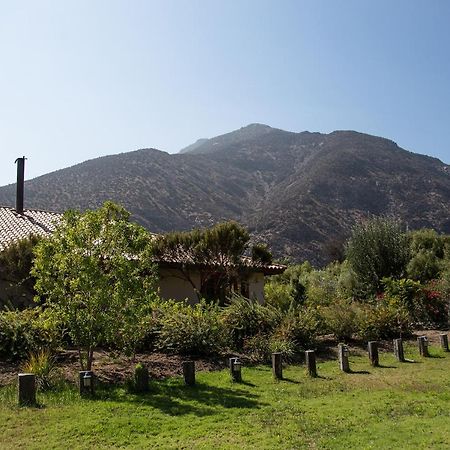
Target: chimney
[[20, 182]]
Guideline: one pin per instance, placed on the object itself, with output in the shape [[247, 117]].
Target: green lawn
[[399, 405]]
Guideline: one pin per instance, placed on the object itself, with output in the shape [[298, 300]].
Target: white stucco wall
[[256, 287], [172, 285]]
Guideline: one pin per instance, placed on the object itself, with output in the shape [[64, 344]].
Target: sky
[[86, 78]]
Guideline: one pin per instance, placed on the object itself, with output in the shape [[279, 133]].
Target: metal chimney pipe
[[20, 184]]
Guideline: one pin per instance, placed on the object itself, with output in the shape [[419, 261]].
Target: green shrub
[[259, 348], [384, 319], [244, 318], [42, 364], [278, 295], [25, 332], [299, 326], [341, 318], [185, 329]]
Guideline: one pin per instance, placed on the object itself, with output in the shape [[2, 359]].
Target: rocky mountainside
[[296, 191]]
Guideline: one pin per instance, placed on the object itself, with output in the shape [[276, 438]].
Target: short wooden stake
[[423, 346], [398, 350], [86, 382], [26, 389], [277, 365], [236, 370], [343, 358], [310, 357], [373, 353], [189, 372], [444, 342]]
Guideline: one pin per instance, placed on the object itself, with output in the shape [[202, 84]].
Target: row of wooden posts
[[27, 381]]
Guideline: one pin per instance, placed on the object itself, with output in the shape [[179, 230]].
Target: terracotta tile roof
[[183, 257], [15, 226]]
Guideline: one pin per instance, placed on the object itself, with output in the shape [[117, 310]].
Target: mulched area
[[115, 368]]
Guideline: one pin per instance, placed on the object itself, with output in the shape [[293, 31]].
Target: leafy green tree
[[215, 252], [377, 248], [428, 252], [95, 274]]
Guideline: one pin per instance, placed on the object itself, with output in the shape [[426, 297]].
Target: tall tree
[[376, 249], [96, 275]]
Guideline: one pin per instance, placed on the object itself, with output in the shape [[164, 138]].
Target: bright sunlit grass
[[398, 405]]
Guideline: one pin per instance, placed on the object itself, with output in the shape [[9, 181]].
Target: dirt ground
[[115, 368]]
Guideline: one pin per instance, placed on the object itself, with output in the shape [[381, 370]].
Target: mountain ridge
[[295, 191]]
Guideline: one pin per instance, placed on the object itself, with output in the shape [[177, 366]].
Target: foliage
[[16, 260], [259, 348], [341, 318], [299, 325], [245, 318], [189, 329], [42, 364], [217, 254], [377, 248], [278, 295], [261, 254], [384, 319], [95, 275], [24, 332]]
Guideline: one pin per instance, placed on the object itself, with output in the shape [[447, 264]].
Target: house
[[181, 275]]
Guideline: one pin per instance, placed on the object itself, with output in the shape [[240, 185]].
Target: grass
[[399, 405]]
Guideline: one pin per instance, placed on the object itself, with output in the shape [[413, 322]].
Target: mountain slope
[[294, 190]]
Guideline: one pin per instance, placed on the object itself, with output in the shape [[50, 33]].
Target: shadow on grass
[[382, 366], [178, 399], [359, 372]]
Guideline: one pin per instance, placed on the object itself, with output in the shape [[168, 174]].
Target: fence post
[[398, 350], [343, 358], [373, 353], [444, 341], [423, 346], [189, 372], [26, 389], [310, 356], [277, 365]]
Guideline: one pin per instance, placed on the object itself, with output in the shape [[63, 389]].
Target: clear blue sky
[[81, 79]]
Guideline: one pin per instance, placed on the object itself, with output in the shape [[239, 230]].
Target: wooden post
[[373, 353], [343, 358], [277, 365], [86, 382], [26, 389], [141, 378], [398, 350], [236, 370], [189, 372], [310, 357], [444, 341], [423, 346]]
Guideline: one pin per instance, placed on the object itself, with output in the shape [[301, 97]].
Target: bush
[[181, 328], [259, 348], [42, 364], [25, 332], [244, 318], [278, 295], [341, 319], [299, 326], [384, 319], [377, 248]]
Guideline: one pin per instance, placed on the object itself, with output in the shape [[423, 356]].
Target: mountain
[[295, 191]]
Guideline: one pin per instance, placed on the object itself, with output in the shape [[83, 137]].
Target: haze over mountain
[[295, 191]]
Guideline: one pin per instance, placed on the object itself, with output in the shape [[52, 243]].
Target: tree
[[376, 249], [216, 253], [95, 274]]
